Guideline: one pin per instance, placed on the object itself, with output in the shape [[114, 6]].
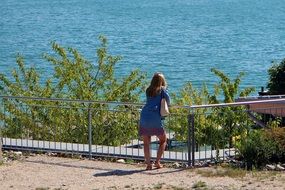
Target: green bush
[[257, 150], [276, 83], [74, 77], [213, 126], [277, 135]]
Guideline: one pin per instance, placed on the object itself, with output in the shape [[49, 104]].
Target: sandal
[[158, 165], [149, 167]]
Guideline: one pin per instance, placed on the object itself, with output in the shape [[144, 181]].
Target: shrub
[[74, 77], [277, 135], [276, 84], [257, 150]]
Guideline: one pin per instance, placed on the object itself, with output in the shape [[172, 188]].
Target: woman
[[151, 120]]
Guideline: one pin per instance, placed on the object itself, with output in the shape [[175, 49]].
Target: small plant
[[263, 175], [158, 186], [277, 135], [200, 185], [42, 188], [256, 150], [222, 172], [130, 161], [176, 188]]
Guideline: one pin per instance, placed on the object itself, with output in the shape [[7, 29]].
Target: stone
[[184, 165], [51, 154], [205, 164], [18, 153], [270, 167], [279, 167], [176, 165], [121, 161]]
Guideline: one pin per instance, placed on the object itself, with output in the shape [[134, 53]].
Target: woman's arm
[[166, 96]]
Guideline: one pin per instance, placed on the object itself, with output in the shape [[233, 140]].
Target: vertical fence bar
[[1, 144], [4, 122], [90, 131], [191, 140]]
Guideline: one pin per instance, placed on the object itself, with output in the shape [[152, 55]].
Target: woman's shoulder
[[164, 92], [164, 89]]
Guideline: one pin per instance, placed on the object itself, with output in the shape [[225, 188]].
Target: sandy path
[[43, 172]]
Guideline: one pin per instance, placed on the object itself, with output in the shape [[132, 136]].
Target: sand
[[43, 172]]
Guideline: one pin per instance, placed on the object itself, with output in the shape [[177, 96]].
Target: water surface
[[182, 38]]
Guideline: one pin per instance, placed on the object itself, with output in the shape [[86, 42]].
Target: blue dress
[[150, 118]]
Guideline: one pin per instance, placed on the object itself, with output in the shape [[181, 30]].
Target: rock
[[184, 165], [121, 161], [51, 154], [5, 159], [279, 167], [205, 164], [270, 167], [18, 153], [176, 165], [283, 165]]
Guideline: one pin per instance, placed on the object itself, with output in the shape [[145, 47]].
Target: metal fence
[[95, 128]]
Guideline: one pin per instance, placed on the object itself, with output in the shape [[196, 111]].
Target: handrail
[[141, 104], [264, 96], [240, 103], [71, 100]]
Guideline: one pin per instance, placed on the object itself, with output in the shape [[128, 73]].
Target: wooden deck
[[276, 109]]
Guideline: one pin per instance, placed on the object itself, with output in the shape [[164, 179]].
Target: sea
[[184, 39]]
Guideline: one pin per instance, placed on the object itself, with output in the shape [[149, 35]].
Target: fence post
[[1, 144], [90, 131], [191, 140], [1, 155]]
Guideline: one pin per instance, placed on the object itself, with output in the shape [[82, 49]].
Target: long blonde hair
[[157, 82]]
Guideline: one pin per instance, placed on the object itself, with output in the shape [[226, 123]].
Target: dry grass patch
[[163, 186], [265, 175], [200, 185], [222, 172]]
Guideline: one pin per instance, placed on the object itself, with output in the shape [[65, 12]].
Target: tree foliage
[[213, 126], [75, 78], [276, 83], [231, 118]]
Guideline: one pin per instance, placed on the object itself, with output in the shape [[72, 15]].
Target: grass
[[177, 188], [158, 186], [222, 172], [200, 185], [129, 161], [164, 187], [264, 175]]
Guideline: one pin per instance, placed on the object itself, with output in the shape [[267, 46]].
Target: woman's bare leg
[[162, 144], [146, 148]]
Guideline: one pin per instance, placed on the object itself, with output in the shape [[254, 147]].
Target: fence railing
[[95, 128]]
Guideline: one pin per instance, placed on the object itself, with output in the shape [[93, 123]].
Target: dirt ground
[[42, 172]]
